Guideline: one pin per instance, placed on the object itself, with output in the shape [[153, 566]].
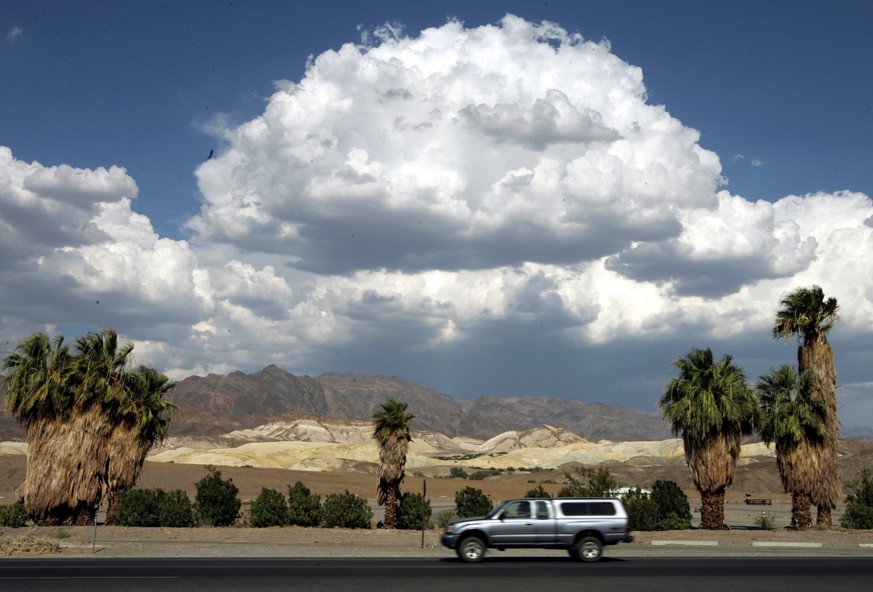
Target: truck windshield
[[496, 510]]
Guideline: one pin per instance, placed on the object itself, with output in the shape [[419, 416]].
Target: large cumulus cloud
[[457, 149], [500, 200]]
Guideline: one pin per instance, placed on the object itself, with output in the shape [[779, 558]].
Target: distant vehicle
[[582, 526]]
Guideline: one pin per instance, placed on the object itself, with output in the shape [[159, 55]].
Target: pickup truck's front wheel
[[588, 549], [471, 549]]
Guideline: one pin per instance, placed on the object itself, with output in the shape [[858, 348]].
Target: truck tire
[[588, 549], [471, 549]]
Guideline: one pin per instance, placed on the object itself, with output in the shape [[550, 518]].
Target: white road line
[[687, 543], [780, 544]]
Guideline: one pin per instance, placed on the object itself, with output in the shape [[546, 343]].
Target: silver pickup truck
[[582, 526]]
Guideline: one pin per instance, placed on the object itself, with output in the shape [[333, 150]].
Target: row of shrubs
[[217, 503]]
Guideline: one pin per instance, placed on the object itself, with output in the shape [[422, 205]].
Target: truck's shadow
[[492, 559]]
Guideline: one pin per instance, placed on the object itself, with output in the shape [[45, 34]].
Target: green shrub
[[537, 491], [483, 474], [345, 510], [414, 512], [859, 503], [174, 509], [471, 502], [269, 509], [138, 507], [458, 473], [445, 517], [304, 507], [672, 505], [217, 501], [666, 508], [14, 515], [642, 511]]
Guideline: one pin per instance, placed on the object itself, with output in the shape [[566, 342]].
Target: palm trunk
[[712, 510], [801, 511], [392, 500], [823, 517], [66, 468]]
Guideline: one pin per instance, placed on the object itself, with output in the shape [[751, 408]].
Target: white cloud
[[499, 201]]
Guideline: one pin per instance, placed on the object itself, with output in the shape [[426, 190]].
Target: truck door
[[544, 521], [515, 527]]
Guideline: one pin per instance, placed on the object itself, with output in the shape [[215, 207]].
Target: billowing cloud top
[[504, 186], [458, 149]]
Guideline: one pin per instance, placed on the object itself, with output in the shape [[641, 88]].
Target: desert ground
[[755, 475], [754, 479], [345, 458]]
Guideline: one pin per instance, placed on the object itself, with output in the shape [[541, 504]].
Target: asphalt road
[[426, 575]]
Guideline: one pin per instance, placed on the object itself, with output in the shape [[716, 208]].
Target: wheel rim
[[589, 550], [472, 550]]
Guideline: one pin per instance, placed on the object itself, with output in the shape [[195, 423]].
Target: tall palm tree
[[712, 407], [62, 431], [391, 430], [90, 421], [807, 315], [796, 422], [140, 421]]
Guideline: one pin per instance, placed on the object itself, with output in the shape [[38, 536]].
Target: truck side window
[[542, 509], [518, 510]]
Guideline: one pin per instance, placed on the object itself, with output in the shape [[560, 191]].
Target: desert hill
[[307, 443], [214, 405]]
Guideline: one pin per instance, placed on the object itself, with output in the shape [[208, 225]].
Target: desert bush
[[138, 507], [345, 510], [666, 508], [859, 503], [537, 491], [444, 518], [414, 512], [217, 500], [458, 473], [304, 507], [673, 506], [155, 507], [269, 509], [470, 502], [642, 511], [483, 474], [175, 509], [14, 515]]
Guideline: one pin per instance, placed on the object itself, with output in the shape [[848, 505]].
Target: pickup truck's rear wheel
[[588, 549], [471, 549]]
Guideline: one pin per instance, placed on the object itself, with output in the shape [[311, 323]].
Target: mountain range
[[214, 405]]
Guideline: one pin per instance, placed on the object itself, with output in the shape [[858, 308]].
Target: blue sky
[[240, 261]]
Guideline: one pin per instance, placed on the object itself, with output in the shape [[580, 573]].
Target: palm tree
[[103, 367], [90, 421], [62, 432], [391, 430], [141, 421], [796, 422], [809, 316], [712, 408]]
